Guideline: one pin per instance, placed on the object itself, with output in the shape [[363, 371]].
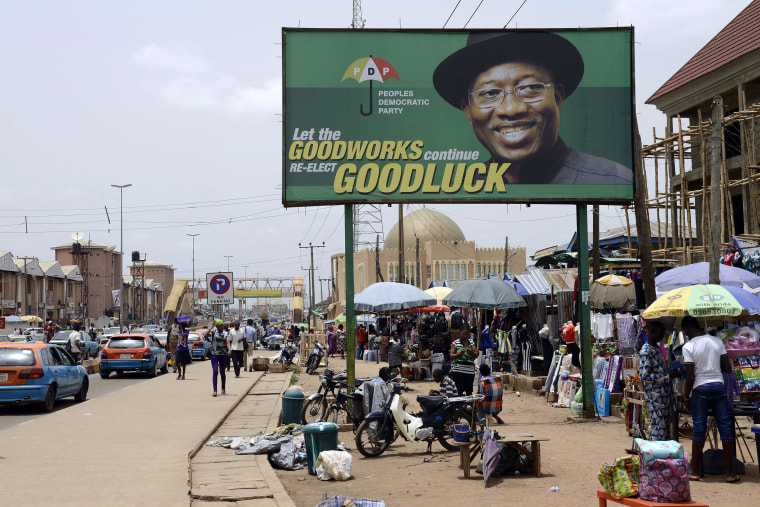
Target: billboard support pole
[[350, 321], [584, 316]]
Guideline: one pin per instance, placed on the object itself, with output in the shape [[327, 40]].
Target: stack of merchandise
[[748, 373]]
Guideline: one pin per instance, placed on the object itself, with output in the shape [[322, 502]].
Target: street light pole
[[121, 263], [192, 287], [245, 299], [228, 262]]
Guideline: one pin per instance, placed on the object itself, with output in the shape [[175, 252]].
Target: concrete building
[[100, 266], [444, 254], [45, 289]]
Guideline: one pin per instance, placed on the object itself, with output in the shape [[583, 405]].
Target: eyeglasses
[[489, 98]]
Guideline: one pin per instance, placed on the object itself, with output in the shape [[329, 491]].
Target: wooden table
[[603, 496], [469, 450]]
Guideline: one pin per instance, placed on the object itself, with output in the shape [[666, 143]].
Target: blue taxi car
[[38, 372], [133, 352]]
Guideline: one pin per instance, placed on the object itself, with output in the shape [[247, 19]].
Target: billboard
[[383, 116], [258, 293]]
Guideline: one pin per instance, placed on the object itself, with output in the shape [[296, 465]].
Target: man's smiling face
[[513, 130]]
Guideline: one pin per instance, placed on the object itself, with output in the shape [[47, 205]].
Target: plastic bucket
[[461, 432]]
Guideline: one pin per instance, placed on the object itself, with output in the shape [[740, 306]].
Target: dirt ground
[[406, 476]]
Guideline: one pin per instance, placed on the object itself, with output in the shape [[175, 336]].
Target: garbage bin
[[292, 403], [318, 437]]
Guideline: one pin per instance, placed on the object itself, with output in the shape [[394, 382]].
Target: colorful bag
[[665, 480], [620, 479], [659, 449]]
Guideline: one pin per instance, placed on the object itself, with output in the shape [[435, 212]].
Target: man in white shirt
[[250, 337], [236, 338], [706, 360]]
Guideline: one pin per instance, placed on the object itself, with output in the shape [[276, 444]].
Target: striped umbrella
[[704, 301]]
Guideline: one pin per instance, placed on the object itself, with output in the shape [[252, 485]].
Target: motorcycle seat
[[429, 404], [340, 379]]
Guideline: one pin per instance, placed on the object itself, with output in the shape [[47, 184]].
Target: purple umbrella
[[491, 456], [699, 272], [518, 287]]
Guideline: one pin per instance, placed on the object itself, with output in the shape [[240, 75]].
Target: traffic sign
[[220, 291]]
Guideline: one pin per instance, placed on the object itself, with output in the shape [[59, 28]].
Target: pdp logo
[[370, 69]]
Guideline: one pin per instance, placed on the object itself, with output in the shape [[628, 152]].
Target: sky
[[182, 100]]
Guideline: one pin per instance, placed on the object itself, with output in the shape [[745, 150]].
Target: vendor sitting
[[490, 387], [420, 362], [446, 386]]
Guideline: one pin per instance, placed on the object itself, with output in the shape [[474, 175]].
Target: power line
[[452, 13], [473, 13], [515, 14]]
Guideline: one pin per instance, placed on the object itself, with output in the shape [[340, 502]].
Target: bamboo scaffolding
[[680, 202]]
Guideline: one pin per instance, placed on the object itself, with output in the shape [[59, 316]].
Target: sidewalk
[[134, 446], [219, 476]]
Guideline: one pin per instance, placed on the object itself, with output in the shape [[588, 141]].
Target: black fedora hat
[[486, 49]]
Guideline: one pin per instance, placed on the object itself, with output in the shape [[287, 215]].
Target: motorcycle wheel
[[446, 437], [368, 442], [340, 416], [312, 366], [314, 410]]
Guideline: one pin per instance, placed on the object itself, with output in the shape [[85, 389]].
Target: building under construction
[[679, 161]]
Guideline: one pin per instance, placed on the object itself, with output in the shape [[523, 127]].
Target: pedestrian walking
[[227, 337], [341, 341], [332, 342], [219, 354], [75, 345], [237, 347], [171, 342], [250, 345], [181, 351]]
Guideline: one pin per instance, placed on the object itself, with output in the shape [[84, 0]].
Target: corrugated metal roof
[[28, 266], [72, 273], [85, 244], [738, 38], [6, 262], [52, 269], [534, 282]]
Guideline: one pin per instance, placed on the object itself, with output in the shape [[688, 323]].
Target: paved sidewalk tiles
[[221, 477]]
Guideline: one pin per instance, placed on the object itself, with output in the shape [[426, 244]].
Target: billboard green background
[[596, 119]]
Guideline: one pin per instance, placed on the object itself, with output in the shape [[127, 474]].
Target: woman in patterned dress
[[658, 389], [341, 341]]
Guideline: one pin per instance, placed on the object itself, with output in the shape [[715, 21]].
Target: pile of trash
[[284, 446]]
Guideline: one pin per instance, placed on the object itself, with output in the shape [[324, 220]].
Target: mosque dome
[[427, 225]]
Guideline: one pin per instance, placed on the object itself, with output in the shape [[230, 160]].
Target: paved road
[[133, 449], [12, 415]]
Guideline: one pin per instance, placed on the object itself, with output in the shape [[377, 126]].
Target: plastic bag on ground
[[264, 445], [340, 501], [334, 465], [288, 457]]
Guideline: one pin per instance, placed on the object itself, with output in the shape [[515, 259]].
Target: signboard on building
[[381, 116], [220, 291], [9, 303]]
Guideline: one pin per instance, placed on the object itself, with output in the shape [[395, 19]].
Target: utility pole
[[506, 255], [401, 277], [311, 278], [643, 231], [378, 271], [716, 227], [26, 284], [595, 219], [417, 261], [121, 253]]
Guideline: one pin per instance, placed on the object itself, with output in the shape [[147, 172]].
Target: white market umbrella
[[389, 296]]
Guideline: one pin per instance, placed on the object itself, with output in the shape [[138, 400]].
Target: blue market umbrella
[[699, 272]]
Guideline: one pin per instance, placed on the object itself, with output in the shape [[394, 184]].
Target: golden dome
[[426, 224]]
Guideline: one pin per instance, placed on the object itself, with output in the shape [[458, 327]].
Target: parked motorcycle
[[439, 415], [330, 402], [318, 352], [286, 355]]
